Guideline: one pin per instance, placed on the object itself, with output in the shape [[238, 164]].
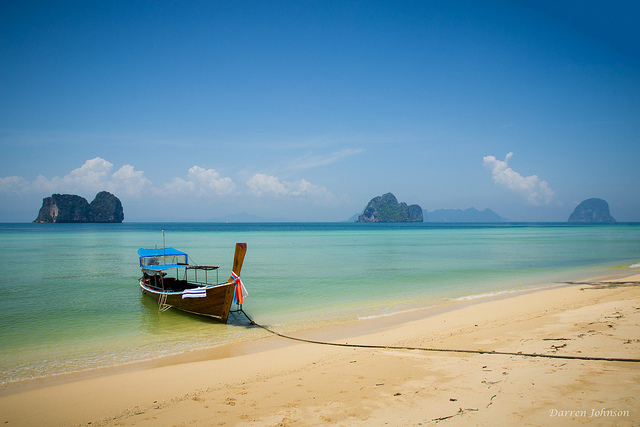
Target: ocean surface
[[69, 297]]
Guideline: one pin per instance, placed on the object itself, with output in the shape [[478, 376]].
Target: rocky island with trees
[[386, 208], [592, 211], [69, 208]]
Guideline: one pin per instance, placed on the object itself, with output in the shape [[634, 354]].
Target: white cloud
[[200, 182], [14, 185], [535, 190], [209, 181], [266, 185], [129, 181], [262, 185], [98, 174], [93, 176]]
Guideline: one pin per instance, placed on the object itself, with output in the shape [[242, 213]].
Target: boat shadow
[[154, 317]]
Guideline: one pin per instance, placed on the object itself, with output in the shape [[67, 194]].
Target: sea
[[70, 300]]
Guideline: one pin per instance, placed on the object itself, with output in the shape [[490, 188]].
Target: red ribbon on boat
[[241, 291]]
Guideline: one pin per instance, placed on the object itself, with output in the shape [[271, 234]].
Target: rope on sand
[[443, 350]]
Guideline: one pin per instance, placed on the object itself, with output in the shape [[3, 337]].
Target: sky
[[306, 110]]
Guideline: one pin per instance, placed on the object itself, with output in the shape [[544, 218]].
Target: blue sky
[[190, 111]]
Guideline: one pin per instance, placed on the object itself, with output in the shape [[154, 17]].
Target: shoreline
[[127, 393], [338, 330], [356, 323]]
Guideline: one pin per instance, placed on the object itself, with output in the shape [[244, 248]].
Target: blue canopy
[[159, 252], [162, 259]]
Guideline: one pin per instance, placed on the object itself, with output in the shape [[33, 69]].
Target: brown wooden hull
[[216, 304]]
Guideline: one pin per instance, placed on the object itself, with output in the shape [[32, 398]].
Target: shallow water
[[69, 297]]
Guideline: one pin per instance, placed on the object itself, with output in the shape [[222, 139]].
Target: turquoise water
[[69, 297]]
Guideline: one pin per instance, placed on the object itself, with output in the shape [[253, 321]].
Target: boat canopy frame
[[155, 262], [162, 259]]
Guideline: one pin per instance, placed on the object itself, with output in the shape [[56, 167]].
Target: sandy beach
[[276, 381]]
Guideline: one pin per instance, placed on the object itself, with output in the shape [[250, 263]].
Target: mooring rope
[[442, 350]]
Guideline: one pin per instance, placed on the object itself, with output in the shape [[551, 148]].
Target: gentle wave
[[508, 291]]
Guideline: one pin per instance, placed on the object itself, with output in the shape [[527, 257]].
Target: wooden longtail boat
[[169, 278]]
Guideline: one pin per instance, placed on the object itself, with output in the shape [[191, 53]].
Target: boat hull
[[216, 304]]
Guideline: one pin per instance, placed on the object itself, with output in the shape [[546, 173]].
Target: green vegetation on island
[[69, 208], [386, 208], [592, 211]]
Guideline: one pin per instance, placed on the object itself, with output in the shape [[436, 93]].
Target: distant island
[[592, 211], [386, 208], [459, 215], [69, 208]]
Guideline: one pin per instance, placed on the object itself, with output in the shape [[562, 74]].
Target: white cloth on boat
[[194, 293]]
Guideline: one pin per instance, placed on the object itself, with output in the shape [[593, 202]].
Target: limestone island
[[69, 208], [386, 208], [592, 211]]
